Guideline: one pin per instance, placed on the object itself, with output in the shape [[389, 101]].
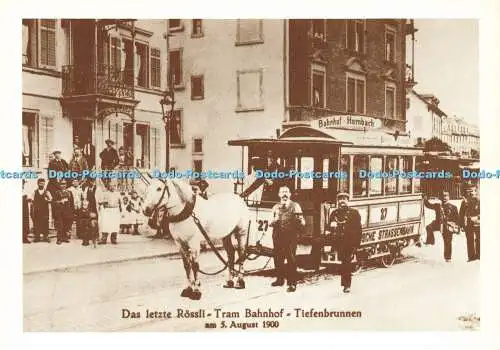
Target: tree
[[436, 145]]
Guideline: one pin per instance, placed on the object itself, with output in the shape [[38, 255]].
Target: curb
[[108, 262]]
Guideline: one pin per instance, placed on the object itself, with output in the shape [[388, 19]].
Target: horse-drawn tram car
[[318, 163]]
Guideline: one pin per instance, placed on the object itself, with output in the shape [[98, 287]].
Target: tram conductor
[[346, 223], [287, 222]]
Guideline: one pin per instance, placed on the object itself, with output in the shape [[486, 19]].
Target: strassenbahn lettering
[[387, 233]]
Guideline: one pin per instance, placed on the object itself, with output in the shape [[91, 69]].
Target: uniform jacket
[[348, 226], [444, 212], [78, 164], [63, 200], [109, 158], [470, 207], [287, 218]]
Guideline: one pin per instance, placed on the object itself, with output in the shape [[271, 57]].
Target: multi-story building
[[85, 81], [352, 69], [463, 137], [424, 117]]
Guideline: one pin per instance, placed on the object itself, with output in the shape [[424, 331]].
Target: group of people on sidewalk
[[450, 221], [112, 206]]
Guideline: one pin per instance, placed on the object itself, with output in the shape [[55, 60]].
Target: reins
[[188, 211]]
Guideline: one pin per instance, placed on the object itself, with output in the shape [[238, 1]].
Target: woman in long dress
[[110, 214]]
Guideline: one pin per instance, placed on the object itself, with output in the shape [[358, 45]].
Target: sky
[[447, 64]]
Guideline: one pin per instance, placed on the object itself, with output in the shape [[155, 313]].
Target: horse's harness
[[185, 213]]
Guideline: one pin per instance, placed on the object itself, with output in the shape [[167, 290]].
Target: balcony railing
[[108, 81]]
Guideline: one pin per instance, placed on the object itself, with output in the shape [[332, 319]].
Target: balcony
[[103, 80]]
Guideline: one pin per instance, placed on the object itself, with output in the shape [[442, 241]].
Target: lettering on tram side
[[387, 233]]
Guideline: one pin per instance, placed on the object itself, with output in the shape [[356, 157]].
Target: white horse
[[222, 216]]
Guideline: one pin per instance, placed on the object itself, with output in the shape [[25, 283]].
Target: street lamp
[[167, 100]]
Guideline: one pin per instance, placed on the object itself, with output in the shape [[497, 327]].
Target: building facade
[[85, 81], [463, 137], [424, 117]]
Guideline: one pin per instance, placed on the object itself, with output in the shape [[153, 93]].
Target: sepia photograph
[[271, 175]]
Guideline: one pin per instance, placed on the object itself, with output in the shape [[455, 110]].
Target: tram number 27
[[383, 214], [262, 225]]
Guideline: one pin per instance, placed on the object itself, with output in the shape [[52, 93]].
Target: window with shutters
[[176, 128], [197, 31], [175, 71], [39, 43], [250, 91], [30, 140], [46, 127], [29, 43], [355, 94], [141, 65], [355, 38], [155, 68], [197, 87], [48, 43], [249, 31], [197, 146]]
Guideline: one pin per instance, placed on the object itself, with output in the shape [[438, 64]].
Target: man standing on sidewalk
[[287, 221], [40, 211], [470, 221], [63, 212], [446, 222], [347, 224]]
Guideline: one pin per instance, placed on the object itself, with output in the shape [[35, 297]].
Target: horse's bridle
[[185, 212]]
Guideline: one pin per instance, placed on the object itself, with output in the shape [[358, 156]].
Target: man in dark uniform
[[286, 222], [446, 221], [346, 223], [26, 216], [56, 164], [109, 156], [63, 212], [470, 221], [40, 211]]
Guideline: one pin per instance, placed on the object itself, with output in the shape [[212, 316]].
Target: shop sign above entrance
[[351, 122]]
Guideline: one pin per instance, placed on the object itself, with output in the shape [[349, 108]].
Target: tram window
[[306, 168], [418, 167], [376, 183], [360, 185], [407, 166], [326, 162], [391, 182], [344, 168]]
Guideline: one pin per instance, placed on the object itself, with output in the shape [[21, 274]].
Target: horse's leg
[[188, 291], [195, 267], [241, 238], [228, 247]]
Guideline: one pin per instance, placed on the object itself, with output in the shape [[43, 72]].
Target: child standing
[[135, 207]]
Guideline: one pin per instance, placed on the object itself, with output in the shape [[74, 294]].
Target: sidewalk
[[45, 257]]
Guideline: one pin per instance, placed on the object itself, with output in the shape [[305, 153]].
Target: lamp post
[[167, 100]]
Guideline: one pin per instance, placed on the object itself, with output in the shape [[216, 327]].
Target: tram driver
[[287, 222], [346, 222]]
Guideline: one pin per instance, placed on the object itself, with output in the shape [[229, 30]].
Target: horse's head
[[165, 193]]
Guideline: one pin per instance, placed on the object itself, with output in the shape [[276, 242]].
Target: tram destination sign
[[352, 122], [386, 234]]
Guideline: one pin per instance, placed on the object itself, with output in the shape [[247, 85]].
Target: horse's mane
[[184, 190]]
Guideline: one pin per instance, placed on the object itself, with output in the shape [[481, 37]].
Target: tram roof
[[299, 134]]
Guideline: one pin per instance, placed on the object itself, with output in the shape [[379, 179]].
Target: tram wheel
[[388, 260]]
